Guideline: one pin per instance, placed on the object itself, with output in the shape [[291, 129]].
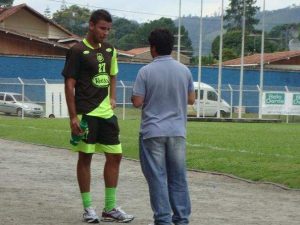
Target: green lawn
[[260, 152]]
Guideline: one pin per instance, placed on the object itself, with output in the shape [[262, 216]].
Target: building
[[24, 31], [288, 60], [143, 55]]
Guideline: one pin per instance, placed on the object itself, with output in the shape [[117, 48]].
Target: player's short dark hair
[[100, 14], [163, 40]]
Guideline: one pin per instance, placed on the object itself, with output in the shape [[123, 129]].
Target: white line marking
[[216, 148]]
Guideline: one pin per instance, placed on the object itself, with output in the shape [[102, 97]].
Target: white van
[[208, 102]]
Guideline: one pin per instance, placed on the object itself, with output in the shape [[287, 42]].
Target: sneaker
[[90, 215], [116, 215]]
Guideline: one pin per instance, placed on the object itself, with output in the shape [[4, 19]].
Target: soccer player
[[164, 88], [90, 70]]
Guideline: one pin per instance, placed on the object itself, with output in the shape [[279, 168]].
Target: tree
[[47, 12], [228, 54], [124, 27], [284, 33], [74, 18], [127, 42], [232, 44], [6, 3], [206, 60], [145, 29], [234, 15], [128, 34], [186, 43], [123, 32]]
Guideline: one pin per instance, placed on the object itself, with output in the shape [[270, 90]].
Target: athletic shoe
[[90, 215], [116, 215]]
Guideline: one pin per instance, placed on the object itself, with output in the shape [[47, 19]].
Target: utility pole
[[220, 61], [179, 33], [261, 80], [200, 60], [242, 63]]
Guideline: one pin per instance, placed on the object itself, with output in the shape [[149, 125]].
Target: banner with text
[[281, 103]]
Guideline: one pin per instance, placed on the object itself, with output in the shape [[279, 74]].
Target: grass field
[[260, 152]]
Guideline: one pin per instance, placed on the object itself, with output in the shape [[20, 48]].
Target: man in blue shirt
[[163, 89]]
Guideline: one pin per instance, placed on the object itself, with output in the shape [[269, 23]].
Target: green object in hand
[[75, 139]]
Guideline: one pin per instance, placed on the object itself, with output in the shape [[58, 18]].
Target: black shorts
[[102, 131]]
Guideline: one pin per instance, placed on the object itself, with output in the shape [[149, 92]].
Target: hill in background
[[211, 25]]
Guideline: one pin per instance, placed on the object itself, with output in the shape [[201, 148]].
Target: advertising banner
[[293, 103], [281, 103]]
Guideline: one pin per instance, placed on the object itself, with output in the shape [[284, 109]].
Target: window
[[201, 94], [212, 96], [19, 98], [1, 97], [9, 98]]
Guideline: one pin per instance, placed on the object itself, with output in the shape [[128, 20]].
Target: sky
[[148, 10]]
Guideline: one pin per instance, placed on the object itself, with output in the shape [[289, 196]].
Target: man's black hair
[[163, 40], [100, 14]]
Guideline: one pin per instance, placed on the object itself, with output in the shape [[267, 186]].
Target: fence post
[[286, 89], [124, 98], [231, 99], [45, 81], [45, 91], [259, 102], [23, 93], [287, 116]]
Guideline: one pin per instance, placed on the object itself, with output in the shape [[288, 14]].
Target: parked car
[[208, 102], [12, 103]]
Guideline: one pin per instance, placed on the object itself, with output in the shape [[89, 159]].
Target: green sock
[[110, 198], [86, 199]]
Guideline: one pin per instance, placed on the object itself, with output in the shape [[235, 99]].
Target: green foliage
[[128, 41], [6, 3], [206, 60], [47, 12], [211, 26], [186, 43], [281, 34], [232, 44], [73, 18], [125, 34], [128, 34], [122, 27], [234, 14], [145, 29], [228, 54]]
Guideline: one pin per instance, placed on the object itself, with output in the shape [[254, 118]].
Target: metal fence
[[35, 90]]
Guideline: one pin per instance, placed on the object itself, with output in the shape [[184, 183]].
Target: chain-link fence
[[40, 92]]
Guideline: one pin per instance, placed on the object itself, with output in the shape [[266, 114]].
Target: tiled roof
[[254, 60], [6, 12], [137, 51], [124, 53], [30, 37]]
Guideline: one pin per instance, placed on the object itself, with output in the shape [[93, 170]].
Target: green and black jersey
[[91, 69]]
